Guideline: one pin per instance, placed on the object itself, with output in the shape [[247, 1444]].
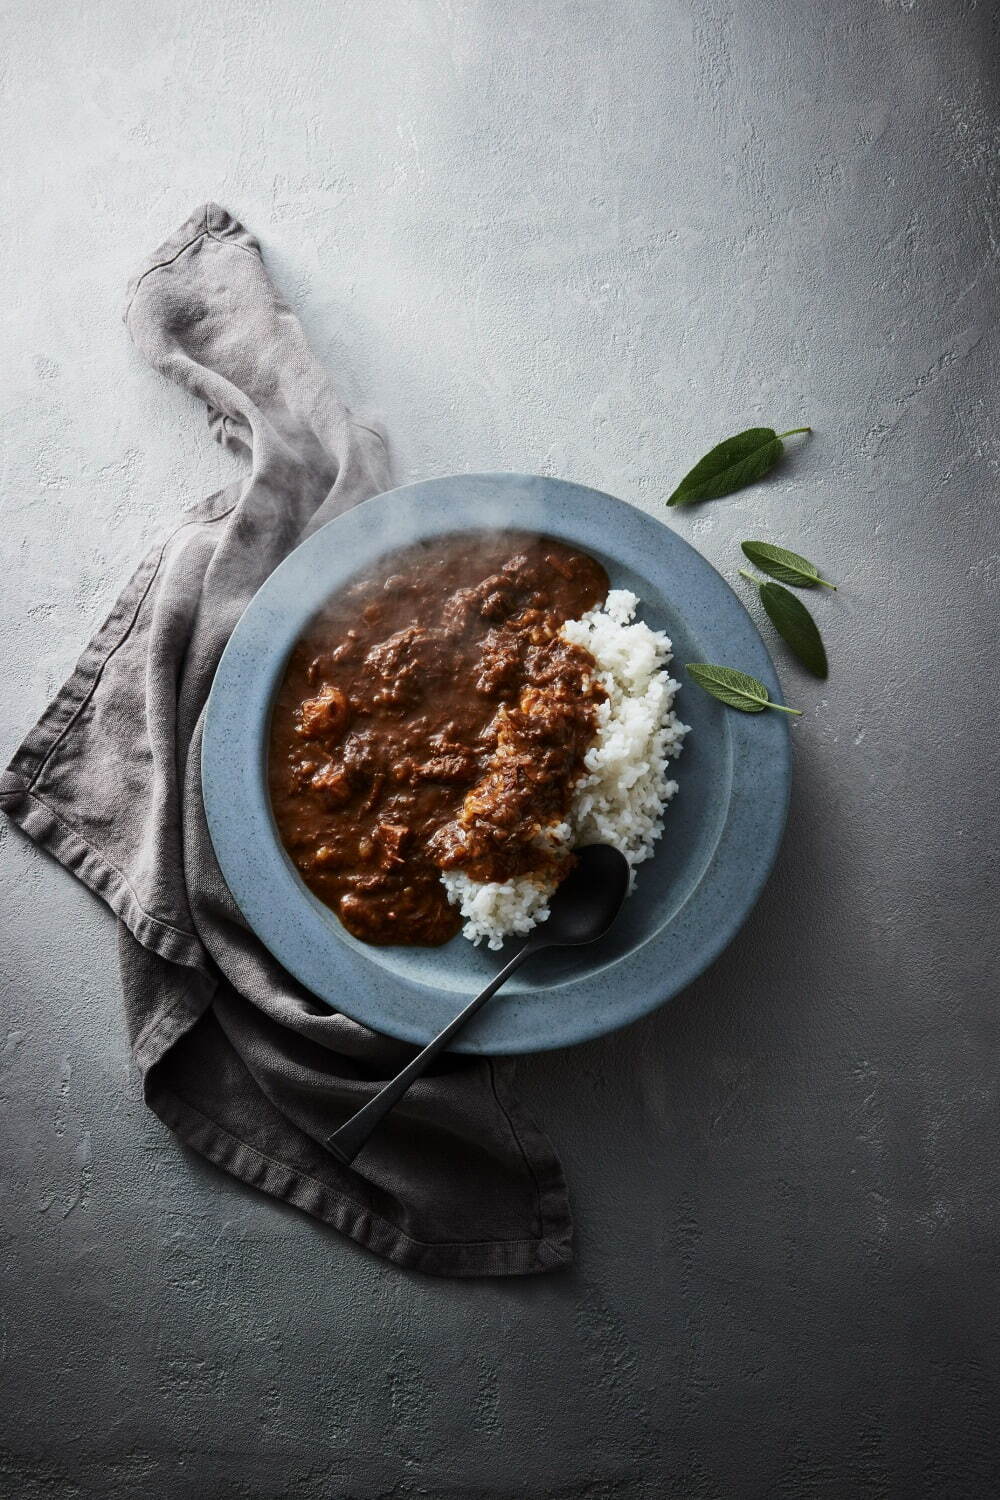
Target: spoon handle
[[346, 1142]]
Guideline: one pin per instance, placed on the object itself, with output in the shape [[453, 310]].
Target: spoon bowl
[[586, 903]]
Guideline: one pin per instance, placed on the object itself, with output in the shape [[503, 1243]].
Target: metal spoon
[[581, 910]]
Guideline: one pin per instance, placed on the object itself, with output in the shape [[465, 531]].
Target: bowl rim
[[278, 906]]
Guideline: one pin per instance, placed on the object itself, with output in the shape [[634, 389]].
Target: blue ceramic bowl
[[722, 830]]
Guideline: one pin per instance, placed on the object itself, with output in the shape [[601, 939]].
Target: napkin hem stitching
[[75, 853], [184, 1107]]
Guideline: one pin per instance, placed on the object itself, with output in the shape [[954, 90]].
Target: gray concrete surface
[[586, 239]]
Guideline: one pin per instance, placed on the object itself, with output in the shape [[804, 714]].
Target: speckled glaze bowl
[[722, 830]]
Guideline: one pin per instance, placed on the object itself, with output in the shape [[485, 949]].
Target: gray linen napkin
[[236, 1057]]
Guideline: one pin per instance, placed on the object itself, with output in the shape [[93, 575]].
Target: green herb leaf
[[735, 688], [796, 626], [732, 465], [785, 566]]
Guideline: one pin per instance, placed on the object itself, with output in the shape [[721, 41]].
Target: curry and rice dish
[[453, 723]]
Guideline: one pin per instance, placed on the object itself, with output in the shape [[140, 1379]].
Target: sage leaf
[[796, 626], [732, 465], [785, 566], [736, 689]]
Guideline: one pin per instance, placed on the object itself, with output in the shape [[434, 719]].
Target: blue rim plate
[[722, 830]]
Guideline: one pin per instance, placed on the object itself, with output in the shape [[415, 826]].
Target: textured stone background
[[582, 238]]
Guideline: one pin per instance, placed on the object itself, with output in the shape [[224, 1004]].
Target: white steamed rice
[[621, 796]]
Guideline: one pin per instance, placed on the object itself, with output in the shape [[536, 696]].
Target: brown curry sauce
[[432, 718]]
